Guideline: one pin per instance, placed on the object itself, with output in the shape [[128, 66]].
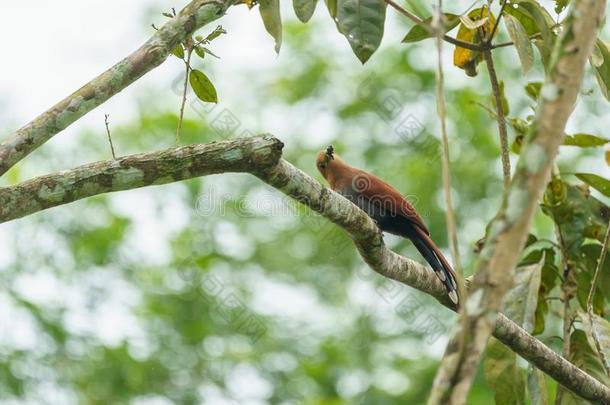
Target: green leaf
[[503, 375], [521, 40], [584, 140], [304, 9], [542, 19], [585, 357], [535, 20], [560, 5], [501, 370], [602, 70], [419, 32], [203, 87], [218, 31], [533, 90], [331, 5], [178, 51], [362, 23], [597, 182], [270, 13], [599, 329], [200, 51], [207, 50], [524, 17], [522, 299], [536, 386]]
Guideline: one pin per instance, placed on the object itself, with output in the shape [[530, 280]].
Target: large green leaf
[[503, 375], [583, 356], [331, 5], [584, 140], [270, 13], [304, 9], [535, 20], [597, 182], [501, 370], [521, 40], [578, 214], [522, 299], [597, 328], [362, 23], [536, 386], [602, 67], [419, 32], [542, 19], [203, 87]]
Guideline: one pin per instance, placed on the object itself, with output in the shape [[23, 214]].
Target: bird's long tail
[[437, 261]]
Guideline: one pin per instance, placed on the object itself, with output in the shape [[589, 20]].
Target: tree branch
[[261, 156], [508, 231], [420, 22], [437, 25], [134, 171], [150, 55], [495, 87]]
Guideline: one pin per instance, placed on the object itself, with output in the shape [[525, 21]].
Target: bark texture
[[150, 55], [508, 231], [261, 156]]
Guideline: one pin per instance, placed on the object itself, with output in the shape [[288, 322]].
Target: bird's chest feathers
[[370, 206]]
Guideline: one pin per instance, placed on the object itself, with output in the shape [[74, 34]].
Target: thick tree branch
[[144, 59], [134, 171], [261, 156], [508, 231]]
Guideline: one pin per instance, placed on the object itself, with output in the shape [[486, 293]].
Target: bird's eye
[[321, 165]]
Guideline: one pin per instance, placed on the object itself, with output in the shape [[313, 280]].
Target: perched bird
[[392, 212]]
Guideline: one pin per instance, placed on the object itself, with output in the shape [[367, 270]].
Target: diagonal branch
[[134, 171], [261, 156], [150, 55], [508, 231]]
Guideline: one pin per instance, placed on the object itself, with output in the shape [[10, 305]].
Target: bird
[[388, 208]]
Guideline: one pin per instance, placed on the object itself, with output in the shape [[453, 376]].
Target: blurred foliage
[[220, 290]]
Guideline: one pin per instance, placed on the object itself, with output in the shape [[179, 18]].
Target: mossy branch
[[150, 55], [261, 156]]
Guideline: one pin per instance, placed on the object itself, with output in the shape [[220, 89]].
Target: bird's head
[[326, 159]]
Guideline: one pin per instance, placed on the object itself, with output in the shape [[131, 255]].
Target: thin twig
[[495, 27], [495, 87], [442, 111], [420, 22], [187, 62], [598, 270], [109, 137], [510, 43], [568, 319], [439, 386]]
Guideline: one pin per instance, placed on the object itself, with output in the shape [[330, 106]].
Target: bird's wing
[[378, 191]]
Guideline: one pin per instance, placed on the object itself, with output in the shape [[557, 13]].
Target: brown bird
[[392, 212]]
